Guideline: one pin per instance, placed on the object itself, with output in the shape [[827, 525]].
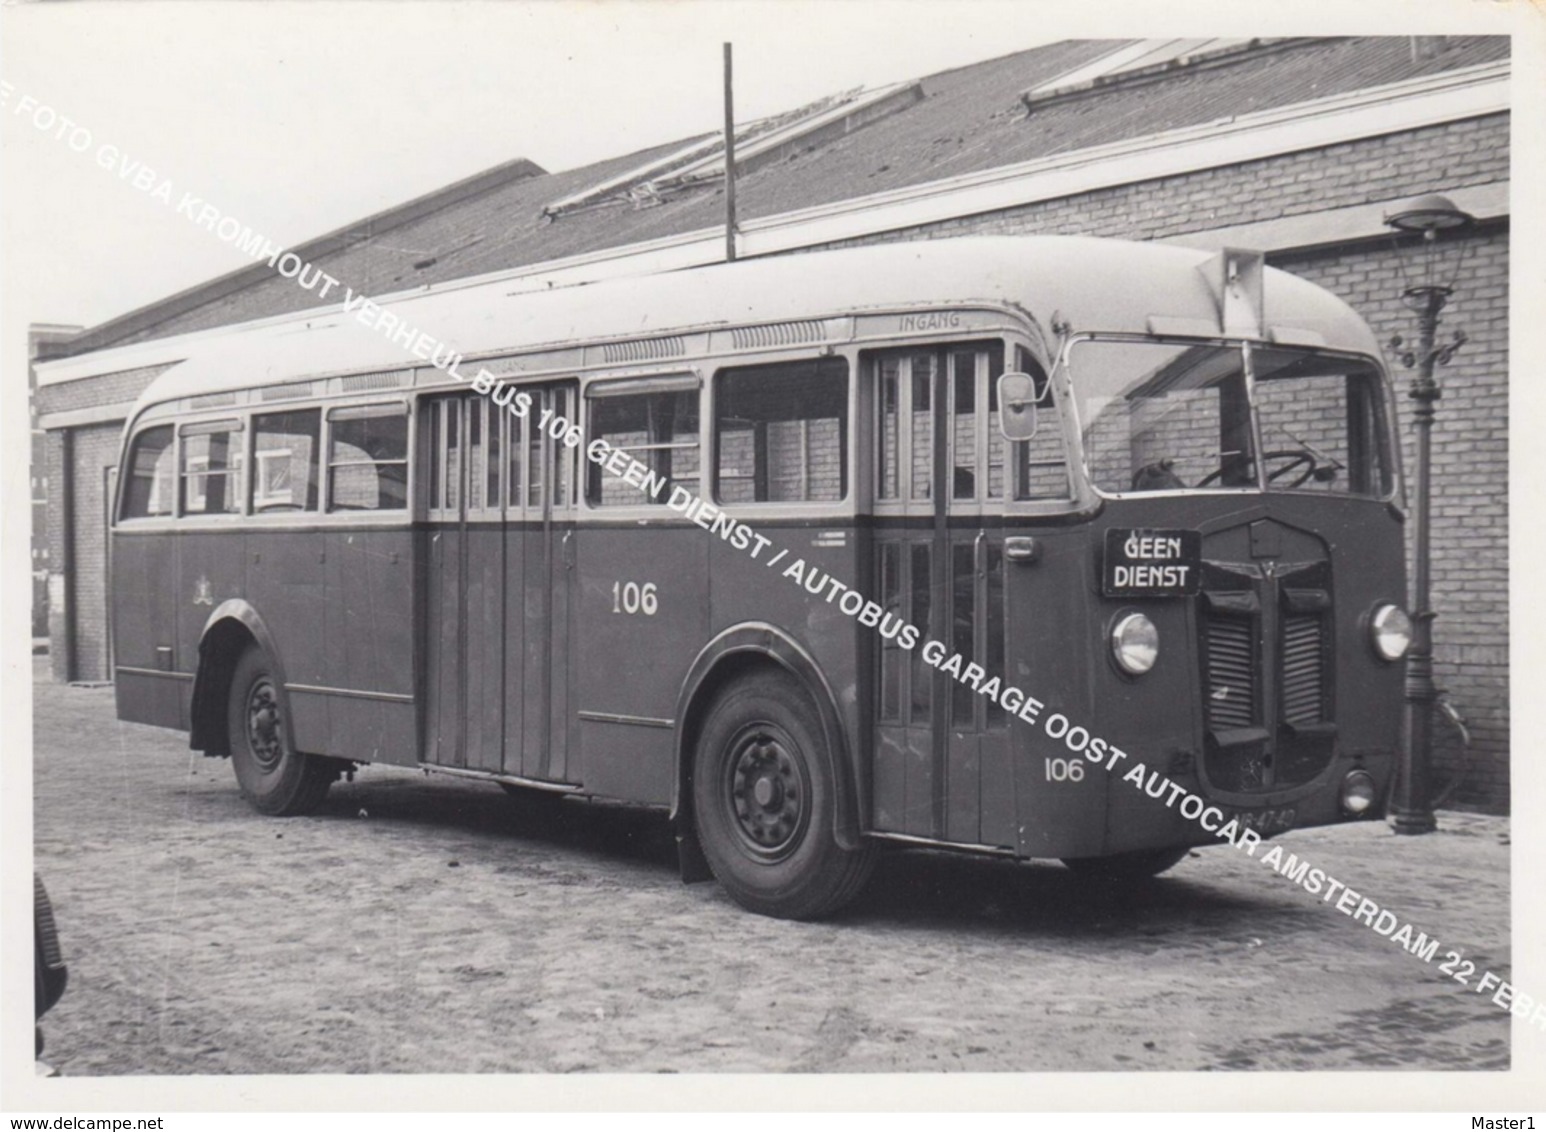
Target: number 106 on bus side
[[631, 597]]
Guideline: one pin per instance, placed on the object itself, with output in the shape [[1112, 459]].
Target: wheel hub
[[264, 734], [766, 793]]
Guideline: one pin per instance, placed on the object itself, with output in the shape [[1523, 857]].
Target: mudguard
[[208, 688], [757, 638]]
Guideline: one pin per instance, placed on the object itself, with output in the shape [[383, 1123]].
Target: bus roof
[[1093, 284]]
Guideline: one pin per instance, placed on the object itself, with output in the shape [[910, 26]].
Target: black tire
[[764, 803], [1127, 866], [274, 777]]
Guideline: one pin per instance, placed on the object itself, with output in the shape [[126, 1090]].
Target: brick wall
[[1433, 159], [77, 545], [93, 450], [105, 389], [56, 446]]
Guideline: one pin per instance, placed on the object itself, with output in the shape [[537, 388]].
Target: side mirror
[[1017, 406]]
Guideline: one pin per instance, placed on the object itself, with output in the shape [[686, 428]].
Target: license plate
[[1267, 822]]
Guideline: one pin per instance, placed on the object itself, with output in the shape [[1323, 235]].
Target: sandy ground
[[423, 924]]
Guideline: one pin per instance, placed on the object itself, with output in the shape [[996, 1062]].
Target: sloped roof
[[970, 119]]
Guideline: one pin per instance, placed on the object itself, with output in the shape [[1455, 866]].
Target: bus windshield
[[1168, 416]]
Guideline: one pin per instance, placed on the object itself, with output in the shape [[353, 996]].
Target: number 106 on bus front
[[1064, 770]]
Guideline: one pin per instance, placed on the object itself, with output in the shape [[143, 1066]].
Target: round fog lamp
[[1135, 643], [1358, 793], [1391, 631]]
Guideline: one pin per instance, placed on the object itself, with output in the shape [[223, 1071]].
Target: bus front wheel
[[1127, 866], [764, 803], [274, 777]]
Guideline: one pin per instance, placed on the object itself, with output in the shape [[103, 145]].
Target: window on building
[[368, 458], [152, 475], [284, 460], [781, 433], [211, 468], [650, 421]]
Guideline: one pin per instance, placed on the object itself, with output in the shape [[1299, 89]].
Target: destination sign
[[1151, 562]]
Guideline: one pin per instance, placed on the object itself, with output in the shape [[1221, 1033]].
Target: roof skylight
[[756, 143], [1134, 58]]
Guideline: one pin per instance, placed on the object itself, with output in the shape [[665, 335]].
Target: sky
[[300, 118], [296, 118]]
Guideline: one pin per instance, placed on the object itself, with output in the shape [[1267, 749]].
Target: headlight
[[1390, 631], [1358, 793], [1135, 643]]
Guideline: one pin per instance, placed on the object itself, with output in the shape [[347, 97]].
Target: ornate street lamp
[[1426, 216]]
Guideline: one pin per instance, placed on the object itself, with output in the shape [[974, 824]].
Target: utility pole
[[729, 163]]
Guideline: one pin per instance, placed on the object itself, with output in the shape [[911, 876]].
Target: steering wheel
[[1295, 457]]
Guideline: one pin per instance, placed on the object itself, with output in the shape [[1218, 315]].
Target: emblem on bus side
[[201, 592], [1151, 562]]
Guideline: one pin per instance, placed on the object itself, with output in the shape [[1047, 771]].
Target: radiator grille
[[1303, 682], [1231, 673]]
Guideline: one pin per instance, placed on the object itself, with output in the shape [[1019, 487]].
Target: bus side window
[[212, 468], [1041, 463], [656, 427], [781, 432], [152, 479], [368, 458], [905, 435], [922, 368], [963, 423], [909, 422], [284, 459], [889, 442]]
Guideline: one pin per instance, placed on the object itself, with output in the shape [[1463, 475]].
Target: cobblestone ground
[[435, 926]]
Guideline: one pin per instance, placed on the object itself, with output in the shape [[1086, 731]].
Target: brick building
[[1296, 147], [39, 335]]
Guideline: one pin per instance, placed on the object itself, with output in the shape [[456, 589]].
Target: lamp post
[[1426, 216]]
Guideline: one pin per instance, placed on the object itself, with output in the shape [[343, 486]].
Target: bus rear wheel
[[764, 803], [1127, 866], [274, 777]]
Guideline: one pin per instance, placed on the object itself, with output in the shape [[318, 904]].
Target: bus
[[803, 551]]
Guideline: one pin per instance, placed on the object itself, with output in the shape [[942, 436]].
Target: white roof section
[[1094, 284]]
